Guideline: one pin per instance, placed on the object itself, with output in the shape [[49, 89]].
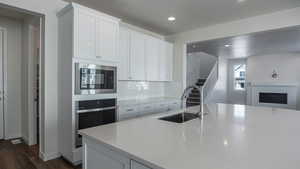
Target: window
[[239, 77]]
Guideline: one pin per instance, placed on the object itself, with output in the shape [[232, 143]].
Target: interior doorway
[[237, 81], [21, 34]]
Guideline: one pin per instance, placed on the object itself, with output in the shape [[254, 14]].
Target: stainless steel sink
[[180, 118]]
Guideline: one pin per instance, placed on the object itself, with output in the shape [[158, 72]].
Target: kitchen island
[[229, 137]]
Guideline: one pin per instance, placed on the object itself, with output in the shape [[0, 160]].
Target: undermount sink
[[180, 118]]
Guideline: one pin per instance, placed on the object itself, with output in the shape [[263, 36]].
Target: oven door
[[95, 79], [92, 118]]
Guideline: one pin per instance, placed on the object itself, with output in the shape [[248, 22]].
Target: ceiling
[[190, 14], [282, 40]]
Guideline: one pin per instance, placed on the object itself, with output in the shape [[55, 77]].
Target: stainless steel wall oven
[[93, 113]]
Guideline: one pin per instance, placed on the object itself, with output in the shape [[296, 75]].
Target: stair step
[[193, 99], [194, 95], [192, 104], [201, 80], [195, 91]]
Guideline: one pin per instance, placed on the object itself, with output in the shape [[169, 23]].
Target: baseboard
[[13, 137], [49, 156]]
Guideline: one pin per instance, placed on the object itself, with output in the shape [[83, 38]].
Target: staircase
[[206, 85], [194, 96]]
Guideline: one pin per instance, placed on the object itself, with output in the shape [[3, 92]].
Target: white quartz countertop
[[229, 137], [145, 100]]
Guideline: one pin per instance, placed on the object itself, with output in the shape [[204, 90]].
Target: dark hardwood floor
[[21, 156]]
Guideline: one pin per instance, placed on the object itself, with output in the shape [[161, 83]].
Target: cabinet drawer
[[174, 105], [128, 112], [147, 109]]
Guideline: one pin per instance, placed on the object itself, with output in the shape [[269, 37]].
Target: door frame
[[230, 84], [4, 76]]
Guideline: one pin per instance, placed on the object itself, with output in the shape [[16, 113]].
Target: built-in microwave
[[95, 79]]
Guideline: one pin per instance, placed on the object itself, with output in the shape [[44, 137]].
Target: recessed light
[[227, 46], [171, 18]]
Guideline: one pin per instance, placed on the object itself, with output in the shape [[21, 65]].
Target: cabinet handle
[[98, 57], [129, 110], [147, 107]]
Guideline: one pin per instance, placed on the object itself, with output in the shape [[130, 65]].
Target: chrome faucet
[[184, 97]]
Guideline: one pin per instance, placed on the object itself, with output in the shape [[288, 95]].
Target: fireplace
[[273, 95], [274, 98]]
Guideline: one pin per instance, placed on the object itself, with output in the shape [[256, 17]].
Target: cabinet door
[[169, 59], [137, 56], [86, 33], [152, 58], [124, 54], [101, 158], [136, 165], [107, 39], [166, 61]]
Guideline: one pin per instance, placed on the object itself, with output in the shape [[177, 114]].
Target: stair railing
[[209, 83]]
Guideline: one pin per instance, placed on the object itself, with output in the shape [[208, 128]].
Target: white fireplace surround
[[290, 89]]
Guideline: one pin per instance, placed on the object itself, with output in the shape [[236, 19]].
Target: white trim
[[4, 69], [184, 67]]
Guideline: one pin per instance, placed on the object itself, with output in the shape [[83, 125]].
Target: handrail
[[210, 82]]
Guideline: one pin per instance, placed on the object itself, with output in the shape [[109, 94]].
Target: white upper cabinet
[[124, 54], [107, 39], [152, 50], [166, 62], [137, 56], [85, 36], [96, 35], [143, 57]]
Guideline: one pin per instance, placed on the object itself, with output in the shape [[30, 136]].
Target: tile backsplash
[[140, 89]]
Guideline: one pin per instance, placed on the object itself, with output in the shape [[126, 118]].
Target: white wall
[[14, 107], [49, 92], [261, 67], [199, 65], [140, 89], [250, 25]]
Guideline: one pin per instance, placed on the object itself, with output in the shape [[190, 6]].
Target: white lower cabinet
[[138, 110], [128, 112], [98, 156]]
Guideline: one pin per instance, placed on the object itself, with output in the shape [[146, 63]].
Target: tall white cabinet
[[96, 35], [144, 57], [86, 36]]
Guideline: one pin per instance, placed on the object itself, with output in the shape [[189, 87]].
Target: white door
[[86, 35], [237, 81], [107, 34], [124, 54], [137, 57], [1, 85]]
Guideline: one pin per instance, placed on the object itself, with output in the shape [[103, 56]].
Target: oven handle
[[98, 109]]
